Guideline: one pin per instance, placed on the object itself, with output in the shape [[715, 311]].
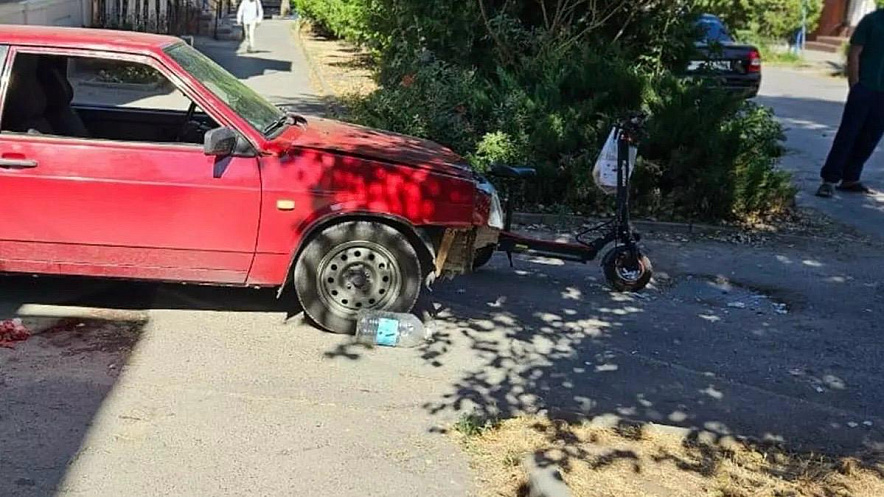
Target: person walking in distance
[[249, 14], [862, 123]]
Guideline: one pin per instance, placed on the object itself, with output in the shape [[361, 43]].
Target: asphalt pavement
[[810, 105], [146, 389]]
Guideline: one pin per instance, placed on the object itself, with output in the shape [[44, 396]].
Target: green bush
[[436, 100], [497, 147], [346, 19], [770, 19], [499, 82], [709, 156]]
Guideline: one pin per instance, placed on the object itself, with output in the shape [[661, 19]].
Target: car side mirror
[[219, 142]]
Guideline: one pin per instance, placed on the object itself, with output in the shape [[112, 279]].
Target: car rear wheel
[[356, 266]]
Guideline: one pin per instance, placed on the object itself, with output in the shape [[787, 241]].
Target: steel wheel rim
[[358, 276], [626, 274]]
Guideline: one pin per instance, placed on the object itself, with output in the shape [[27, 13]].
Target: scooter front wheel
[[627, 269]]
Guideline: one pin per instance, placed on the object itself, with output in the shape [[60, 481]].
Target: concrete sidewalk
[[810, 107], [213, 391], [157, 391], [277, 69]]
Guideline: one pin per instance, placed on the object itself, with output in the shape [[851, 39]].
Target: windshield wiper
[[287, 119]]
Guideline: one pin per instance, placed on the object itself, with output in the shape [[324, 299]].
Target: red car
[[129, 155]]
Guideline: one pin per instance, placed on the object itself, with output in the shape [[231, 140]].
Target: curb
[[576, 221], [329, 97], [611, 421], [822, 70], [296, 35], [544, 480]]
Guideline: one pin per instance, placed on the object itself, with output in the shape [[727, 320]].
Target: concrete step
[[836, 41], [822, 47]]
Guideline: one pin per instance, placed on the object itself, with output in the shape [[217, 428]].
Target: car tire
[[483, 255], [356, 266]]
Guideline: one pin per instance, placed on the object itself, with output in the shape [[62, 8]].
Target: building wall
[[47, 12], [858, 9], [832, 18], [839, 17]]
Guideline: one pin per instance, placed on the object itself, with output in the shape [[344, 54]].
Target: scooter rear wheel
[[483, 255], [627, 269]]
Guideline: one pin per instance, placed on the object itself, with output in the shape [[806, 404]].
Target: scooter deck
[[518, 244]]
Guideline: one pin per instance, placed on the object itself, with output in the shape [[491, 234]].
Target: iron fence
[[173, 17]]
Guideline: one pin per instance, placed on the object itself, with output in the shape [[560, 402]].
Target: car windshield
[[713, 30], [246, 102]]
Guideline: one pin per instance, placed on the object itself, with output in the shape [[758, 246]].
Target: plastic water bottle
[[390, 329]]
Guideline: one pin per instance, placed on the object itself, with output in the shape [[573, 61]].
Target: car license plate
[[709, 65]]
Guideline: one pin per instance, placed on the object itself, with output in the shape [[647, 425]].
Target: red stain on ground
[[11, 332]]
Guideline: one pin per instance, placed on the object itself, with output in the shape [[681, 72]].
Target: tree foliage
[[541, 81], [772, 19]]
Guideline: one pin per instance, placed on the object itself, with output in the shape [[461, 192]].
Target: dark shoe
[[826, 190], [854, 187]]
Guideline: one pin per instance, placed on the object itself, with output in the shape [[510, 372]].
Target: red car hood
[[359, 141]]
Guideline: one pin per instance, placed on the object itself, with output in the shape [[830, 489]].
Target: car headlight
[[495, 217]]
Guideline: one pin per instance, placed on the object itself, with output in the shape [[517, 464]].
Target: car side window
[[713, 30], [99, 98], [121, 83]]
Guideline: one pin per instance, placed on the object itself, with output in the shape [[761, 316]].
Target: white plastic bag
[[605, 171]]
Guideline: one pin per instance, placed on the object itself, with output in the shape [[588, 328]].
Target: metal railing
[[173, 17]]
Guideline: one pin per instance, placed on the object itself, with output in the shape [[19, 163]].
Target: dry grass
[[345, 70], [631, 462]]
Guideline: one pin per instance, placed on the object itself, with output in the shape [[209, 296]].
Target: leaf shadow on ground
[[551, 339], [54, 384]]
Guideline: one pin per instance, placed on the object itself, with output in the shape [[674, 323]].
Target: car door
[[133, 209]]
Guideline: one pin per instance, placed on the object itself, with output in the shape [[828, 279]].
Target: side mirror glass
[[219, 142]]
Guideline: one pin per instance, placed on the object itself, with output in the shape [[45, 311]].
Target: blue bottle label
[[388, 332]]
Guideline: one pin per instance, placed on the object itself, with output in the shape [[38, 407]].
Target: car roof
[[100, 39], [709, 18]]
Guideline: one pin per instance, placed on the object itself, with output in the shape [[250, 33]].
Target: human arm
[[260, 11], [857, 41], [239, 12], [853, 64]]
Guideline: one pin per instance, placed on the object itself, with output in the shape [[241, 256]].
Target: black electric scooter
[[625, 267]]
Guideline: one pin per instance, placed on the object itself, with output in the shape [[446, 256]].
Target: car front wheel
[[355, 266]]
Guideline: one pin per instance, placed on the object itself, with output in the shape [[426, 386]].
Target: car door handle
[[17, 163]]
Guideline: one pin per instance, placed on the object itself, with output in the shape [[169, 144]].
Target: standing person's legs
[[250, 27], [867, 140], [855, 113]]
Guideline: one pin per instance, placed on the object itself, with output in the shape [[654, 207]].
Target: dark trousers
[[861, 128]]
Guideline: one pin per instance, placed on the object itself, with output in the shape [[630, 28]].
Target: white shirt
[[249, 11]]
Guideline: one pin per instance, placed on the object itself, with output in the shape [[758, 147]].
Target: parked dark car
[[722, 60]]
